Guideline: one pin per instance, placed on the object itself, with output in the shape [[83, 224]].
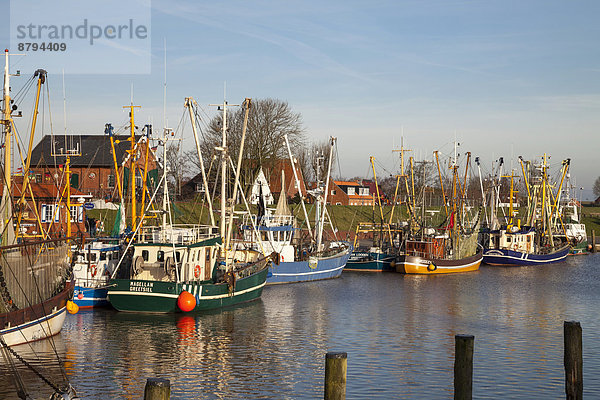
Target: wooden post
[[593, 241], [157, 389], [463, 367], [573, 361], [335, 376]]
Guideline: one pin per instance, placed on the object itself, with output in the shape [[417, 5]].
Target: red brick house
[[349, 193], [52, 212]]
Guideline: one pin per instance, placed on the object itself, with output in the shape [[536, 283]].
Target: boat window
[[208, 256], [92, 257], [198, 255], [145, 255], [178, 256], [160, 256], [102, 256], [508, 239], [528, 239]]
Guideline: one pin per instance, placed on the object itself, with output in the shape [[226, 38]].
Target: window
[[76, 213], [145, 255], [102, 256], [160, 256], [111, 181], [93, 257], [351, 191], [333, 192], [199, 187], [38, 177], [49, 212], [178, 256]]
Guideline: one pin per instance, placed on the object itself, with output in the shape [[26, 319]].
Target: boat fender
[[197, 271], [93, 270], [431, 267], [282, 260], [72, 308], [186, 301]]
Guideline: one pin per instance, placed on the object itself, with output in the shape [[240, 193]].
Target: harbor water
[[398, 332]]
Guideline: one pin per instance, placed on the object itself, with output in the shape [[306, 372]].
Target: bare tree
[[269, 120], [596, 188]]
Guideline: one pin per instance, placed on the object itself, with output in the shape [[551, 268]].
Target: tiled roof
[[95, 150], [346, 183]]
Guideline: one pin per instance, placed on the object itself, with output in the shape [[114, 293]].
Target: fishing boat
[[35, 272], [276, 231], [535, 242], [450, 248], [188, 268], [94, 264], [376, 244]]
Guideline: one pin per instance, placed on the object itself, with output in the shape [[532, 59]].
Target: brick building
[[93, 171]]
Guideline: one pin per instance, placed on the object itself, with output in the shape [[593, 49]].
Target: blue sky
[[508, 78]]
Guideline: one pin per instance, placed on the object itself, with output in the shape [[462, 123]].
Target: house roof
[[41, 190], [95, 150], [346, 183]]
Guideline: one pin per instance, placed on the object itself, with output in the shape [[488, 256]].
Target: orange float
[[186, 301]]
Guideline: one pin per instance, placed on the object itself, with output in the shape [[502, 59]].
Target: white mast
[[6, 227], [322, 220], [292, 160]]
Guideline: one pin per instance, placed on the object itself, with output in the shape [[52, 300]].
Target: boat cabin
[[431, 247], [521, 240]]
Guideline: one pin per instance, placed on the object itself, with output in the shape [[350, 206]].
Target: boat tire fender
[[197, 271]]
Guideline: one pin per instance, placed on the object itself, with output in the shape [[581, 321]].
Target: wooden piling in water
[[573, 361], [463, 367], [335, 375], [157, 389]]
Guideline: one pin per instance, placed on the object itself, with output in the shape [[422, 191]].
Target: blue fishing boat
[[508, 257], [94, 264], [275, 231], [514, 246], [371, 260]]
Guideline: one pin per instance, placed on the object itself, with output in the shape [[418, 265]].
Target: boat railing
[[183, 234]]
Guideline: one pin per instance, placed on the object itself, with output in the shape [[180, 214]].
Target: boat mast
[[189, 101], [223, 150], [487, 222], [322, 219], [246, 105], [292, 161], [6, 228], [132, 159]]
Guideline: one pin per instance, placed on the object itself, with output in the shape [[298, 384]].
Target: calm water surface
[[398, 332]]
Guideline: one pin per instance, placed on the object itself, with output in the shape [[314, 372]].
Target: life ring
[[197, 271], [93, 270]]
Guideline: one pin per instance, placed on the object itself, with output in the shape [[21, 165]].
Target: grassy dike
[[345, 218]]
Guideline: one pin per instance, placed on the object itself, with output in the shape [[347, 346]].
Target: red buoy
[[186, 301]]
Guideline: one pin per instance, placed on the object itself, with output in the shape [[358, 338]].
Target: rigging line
[[28, 365]]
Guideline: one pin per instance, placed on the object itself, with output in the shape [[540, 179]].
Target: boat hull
[[304, 271], [409, 264], [40, 321], [86, 297], [370, 261], [161, 297], [504, 257]]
